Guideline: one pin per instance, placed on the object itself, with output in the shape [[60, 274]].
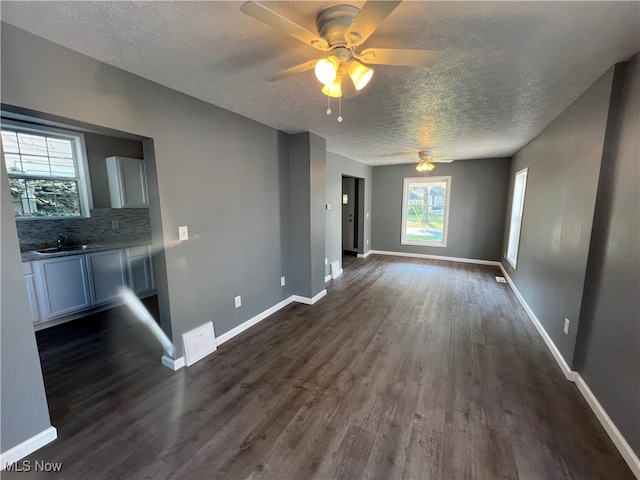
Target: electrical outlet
[[183, 233], [238, 300], [283, 281], [566, 326]]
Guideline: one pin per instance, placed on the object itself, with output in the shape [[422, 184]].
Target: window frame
[[447, 208], [513, 239], [81, 162]]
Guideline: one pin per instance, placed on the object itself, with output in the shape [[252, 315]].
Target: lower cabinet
[[32, 291], [140, 270], [106, 275], [63, 285]]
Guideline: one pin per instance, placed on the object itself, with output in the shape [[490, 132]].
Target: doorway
[[352, 215]]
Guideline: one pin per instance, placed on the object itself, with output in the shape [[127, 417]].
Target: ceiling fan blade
[[303, 67], [441, 160], [405, 58], [284, 25], [371, 15]]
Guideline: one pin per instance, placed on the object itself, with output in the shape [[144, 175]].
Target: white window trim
[[515, 225], [445, 225], [85, 194]]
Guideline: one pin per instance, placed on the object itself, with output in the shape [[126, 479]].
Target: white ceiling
[[507, 69]]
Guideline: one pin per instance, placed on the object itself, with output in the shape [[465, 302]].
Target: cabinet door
[[140, 274], [63, 285], [32, 291], [32, 288], [127, 182], [106, 275], [134, 179]]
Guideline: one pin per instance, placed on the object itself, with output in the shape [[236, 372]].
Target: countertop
[[93, 247]]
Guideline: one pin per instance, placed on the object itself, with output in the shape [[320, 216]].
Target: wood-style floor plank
[[407, 369]]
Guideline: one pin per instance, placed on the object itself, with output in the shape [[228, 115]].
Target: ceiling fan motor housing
[[333, 22]]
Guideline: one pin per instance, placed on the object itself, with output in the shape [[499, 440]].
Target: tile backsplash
[[132, 223]]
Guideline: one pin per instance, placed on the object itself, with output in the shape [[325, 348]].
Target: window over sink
[[47, 169]]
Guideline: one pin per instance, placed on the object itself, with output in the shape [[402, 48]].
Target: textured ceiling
[[507, 69]]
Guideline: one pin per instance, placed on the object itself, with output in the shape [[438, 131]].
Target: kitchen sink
[[66, 248]]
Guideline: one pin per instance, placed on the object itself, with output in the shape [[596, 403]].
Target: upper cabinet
[[127, 182]]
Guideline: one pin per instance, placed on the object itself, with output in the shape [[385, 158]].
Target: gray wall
[[24, 411], [337, 165], [476, 216], [224, 176], [99, 147], [307, 153], [608, 348], [564, 164]]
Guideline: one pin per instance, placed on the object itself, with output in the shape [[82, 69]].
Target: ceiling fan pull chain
[[339, 109], [328, 105]]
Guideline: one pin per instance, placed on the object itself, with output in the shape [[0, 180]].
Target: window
[[425, 211], [517, 207], [46, 169]]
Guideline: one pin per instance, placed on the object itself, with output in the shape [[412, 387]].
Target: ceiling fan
[[426, 163], [425, 159], [341, 30]]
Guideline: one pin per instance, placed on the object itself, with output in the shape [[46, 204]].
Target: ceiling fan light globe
[[359, 74], [326, 70], [425, 166], [332, 90]]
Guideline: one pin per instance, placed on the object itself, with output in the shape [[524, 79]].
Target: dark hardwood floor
[[408, 368]]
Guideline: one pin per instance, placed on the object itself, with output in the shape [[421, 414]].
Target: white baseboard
[[616, 437], [252, 321], [225, 337], [365, 254], [625, 449], [173, 364], [307, 300], [27, 447], [566, 370], [327, 278], [436, 257]]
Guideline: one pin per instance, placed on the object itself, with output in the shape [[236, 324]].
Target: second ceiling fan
[[341, 30]]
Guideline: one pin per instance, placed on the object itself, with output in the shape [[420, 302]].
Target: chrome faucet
[[62, 239]]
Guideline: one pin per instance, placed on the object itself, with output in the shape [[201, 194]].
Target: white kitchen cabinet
[[65, 286], [32, 291], [106, 272], [62, 285], [140, 270], [127, 182]]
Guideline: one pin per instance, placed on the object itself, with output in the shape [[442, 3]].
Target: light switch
[[238, 301], [183, 232]]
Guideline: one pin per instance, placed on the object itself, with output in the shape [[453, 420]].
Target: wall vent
[[500, 279], [336, 271], [198, 343]]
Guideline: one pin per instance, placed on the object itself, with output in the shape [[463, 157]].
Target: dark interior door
[[349, 214]]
